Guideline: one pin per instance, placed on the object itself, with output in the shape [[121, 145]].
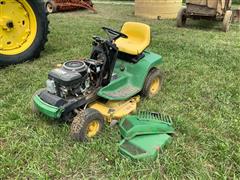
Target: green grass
[[201, 91]]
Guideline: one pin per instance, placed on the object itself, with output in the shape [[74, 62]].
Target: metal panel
[[157, 9]]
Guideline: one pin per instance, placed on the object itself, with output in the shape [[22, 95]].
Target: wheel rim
[[49, 7], [93, 128], [18, 26], [155, 86]]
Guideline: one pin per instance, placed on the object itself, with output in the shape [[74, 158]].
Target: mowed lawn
[[201, 92]]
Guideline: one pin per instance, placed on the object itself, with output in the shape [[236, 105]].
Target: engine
[[74, 78]]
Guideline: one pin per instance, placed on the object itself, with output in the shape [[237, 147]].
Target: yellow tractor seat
[[138, 40]]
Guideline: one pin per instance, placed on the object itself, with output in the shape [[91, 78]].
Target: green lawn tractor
[[105, 87]]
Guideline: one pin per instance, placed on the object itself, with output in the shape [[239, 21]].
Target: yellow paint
[[18, 27], [115, 110], [93, 128], [157, 9], [155, 86], [138, 38]]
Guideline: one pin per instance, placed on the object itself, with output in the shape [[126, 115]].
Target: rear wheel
[[181, 17], [23, 29], [227, 20], [86, 125], [153, 83]]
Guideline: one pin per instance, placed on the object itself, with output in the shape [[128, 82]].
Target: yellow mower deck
[[115, 110]]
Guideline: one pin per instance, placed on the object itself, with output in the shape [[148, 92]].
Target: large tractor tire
[[23, 30], [181, 17]]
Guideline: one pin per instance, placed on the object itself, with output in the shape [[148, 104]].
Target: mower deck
[[115, 110]]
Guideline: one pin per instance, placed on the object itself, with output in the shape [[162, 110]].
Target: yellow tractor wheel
[[23, 30], [153, 83], [87, 124]]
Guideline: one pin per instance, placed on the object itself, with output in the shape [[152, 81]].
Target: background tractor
[[23, 30], [53, 6], [219, 10]]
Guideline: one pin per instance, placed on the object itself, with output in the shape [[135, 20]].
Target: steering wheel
[[116, 34]]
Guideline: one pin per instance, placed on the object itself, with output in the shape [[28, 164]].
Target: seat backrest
[[137, 31]]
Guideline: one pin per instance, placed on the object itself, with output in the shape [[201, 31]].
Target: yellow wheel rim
[[155, 86], [93, 128], [18, 26]]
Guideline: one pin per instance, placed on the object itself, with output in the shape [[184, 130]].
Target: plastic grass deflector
[[145, 147], [145, 123]]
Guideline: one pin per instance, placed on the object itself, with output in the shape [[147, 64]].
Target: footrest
[[119, 93]]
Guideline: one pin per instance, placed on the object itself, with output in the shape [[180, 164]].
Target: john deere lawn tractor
[[105, 87], [23, 30]]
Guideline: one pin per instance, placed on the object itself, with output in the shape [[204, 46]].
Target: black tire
[[38, 44], [81, 122], [51, 6], [227, 20], [152, 75], [181, 17], [33, 107]]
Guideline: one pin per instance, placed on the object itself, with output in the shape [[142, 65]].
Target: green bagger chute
[[145, 135], [144, 147], [145, 123]]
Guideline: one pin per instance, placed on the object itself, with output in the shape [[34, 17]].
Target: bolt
[[10, 24]]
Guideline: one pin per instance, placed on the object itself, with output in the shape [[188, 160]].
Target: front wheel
[[153, 83], [23, 30], [181, 17], [86, 125]]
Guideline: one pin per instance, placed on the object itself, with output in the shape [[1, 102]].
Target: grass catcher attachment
[[145, 123], [145, 135]]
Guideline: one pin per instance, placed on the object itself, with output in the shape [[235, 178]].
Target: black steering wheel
[[114, 33]]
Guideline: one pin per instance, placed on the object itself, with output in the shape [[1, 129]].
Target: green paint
[[145, 135], [134, 125], [130, 81], [144, 147], [47, 109]]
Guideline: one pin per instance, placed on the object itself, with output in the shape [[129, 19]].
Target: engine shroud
[[72, 73]]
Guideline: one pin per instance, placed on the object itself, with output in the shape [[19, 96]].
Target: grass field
[[201, 91]]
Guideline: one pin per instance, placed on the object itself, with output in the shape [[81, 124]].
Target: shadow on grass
[[204, 25]]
